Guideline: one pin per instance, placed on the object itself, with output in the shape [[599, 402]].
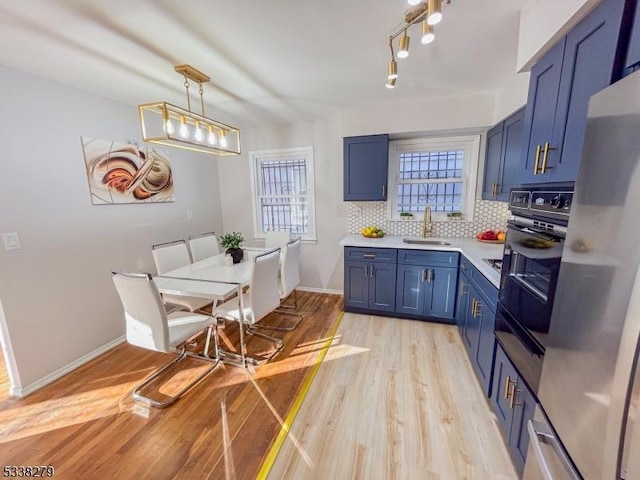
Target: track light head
[[435, 12], [403, 50], [392, 70], [391, 83], [428, 34]]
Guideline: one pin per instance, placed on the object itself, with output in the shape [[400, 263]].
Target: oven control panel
[[555, 202], [542, 202]]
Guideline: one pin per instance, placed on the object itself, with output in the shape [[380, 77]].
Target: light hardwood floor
[[394, 399]]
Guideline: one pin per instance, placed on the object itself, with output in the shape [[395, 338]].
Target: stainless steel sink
[[425, 241]]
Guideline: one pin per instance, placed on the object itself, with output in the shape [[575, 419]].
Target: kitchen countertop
[[471, 248]]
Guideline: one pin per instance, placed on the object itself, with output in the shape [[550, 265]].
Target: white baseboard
[[320, 290], [23, 392]]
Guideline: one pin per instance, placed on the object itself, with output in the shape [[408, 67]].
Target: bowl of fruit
[[492, 236], [372, 232]]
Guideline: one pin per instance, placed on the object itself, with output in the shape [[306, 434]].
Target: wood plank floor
[[87, 426], [394, 399]]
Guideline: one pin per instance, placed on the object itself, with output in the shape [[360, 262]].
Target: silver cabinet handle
[[424, 275], [384, 191], [371, 273], [538, 431], [368, 255], [430, 275]]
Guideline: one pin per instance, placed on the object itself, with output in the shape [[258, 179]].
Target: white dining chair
[[203, 246], [262, 298], [289, 280], [148, 326], [169, 256], [276, 239]]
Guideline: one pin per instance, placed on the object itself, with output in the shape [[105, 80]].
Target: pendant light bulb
[[223, 139], [212, 136], [199, 134], [435, 12], [392, 70], [427, 33], [391, 83], [403, 50], [168, 127], [184, 131]]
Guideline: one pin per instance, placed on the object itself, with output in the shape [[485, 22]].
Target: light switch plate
[[11, 241]]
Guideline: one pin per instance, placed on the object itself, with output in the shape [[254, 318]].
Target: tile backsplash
[[488, 215]]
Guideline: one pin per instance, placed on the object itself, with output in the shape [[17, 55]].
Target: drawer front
[[428, 258], [484, 286], [382, 255]]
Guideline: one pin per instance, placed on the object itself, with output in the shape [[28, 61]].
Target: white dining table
[[211, 278]]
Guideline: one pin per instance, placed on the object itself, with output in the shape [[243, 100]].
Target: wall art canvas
[[125, 173]]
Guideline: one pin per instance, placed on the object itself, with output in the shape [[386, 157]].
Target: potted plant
[[406, 215], [232, 241]]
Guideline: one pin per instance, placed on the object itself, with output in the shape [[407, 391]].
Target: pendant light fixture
[[427, 13], [166, 124]]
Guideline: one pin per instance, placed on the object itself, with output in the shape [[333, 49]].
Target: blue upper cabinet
[[542, 100], [502, 163], [633, 53], [580, 65], [365, 173]]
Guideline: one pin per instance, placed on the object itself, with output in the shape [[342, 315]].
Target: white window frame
[[283, 154], [470, 144]]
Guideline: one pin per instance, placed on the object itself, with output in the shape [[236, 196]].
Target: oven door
[[530, 267]]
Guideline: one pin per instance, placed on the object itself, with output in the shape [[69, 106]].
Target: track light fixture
[[167, 124], [426, 12]]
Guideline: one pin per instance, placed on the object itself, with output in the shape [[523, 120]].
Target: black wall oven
[[530, 266]]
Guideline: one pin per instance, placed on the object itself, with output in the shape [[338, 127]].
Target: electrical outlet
[[11, 241], [189, 214]]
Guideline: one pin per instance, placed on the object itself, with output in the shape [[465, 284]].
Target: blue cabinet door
[[485, 350], [471, 330], [463, 302], [441, 294], [633, 52], [365, 172], [410, 289], [493, 159], [512, 146], [542, 100], [505, 378], [356, 284], [588, 67], [524, 406], [382, 287]]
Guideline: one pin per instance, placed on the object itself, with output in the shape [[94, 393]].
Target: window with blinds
[[283, 191], [434, 172]]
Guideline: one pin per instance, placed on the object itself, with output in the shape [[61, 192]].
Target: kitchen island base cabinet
[[369, 280], [514, 405]]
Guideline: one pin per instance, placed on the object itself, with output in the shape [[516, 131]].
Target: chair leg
[[235, 359], [137, 395], [285, 310]]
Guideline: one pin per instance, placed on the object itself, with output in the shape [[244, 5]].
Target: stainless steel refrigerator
[[588, 425]]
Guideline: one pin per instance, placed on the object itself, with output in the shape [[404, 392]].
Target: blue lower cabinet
[[370, 280], [513, 404], [477, 321], [424, 287]]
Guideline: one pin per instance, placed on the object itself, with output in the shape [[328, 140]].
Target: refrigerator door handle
[[538, 431]]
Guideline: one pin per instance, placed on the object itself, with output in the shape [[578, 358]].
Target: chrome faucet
[[427, 226]]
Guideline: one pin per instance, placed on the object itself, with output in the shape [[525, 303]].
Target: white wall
[[543, 23], [56, 292], [321, 263], [511, 96]]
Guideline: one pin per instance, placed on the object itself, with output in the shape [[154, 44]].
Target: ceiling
[[279, 61]]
